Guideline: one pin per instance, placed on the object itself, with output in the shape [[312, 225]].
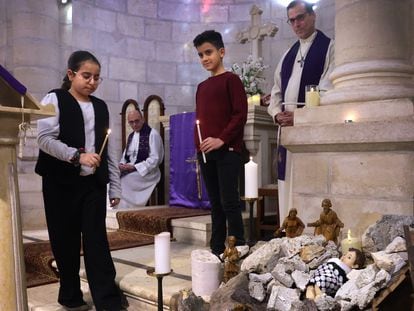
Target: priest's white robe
[[138, 185], [291, 99]]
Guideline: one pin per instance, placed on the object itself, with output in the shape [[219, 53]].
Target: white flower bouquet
[[250, 73]]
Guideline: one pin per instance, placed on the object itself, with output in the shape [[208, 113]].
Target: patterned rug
[[38, 256], [136, 228], [155, 221]]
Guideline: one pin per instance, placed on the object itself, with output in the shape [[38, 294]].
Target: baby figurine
[[292, 225], [330, 276]]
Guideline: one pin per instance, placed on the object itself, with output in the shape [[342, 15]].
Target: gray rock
[[279, 273], [301, 279], [257, 290], [325, 303], [263, 278], [257, 260], [397, 245], [282, 298], [384, 231], [188, 301], [389, 262]]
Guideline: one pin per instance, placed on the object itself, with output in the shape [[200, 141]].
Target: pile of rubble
[[275, 274]]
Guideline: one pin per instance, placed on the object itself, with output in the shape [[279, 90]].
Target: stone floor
[[132, 264]]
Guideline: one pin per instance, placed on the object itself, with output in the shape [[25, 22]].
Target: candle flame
[[251, 158], [349, 234], [108, 132], [197, 121]]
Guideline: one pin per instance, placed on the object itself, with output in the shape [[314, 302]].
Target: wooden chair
[[267, 223], [153, 109]]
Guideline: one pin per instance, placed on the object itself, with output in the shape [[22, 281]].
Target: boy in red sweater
[[221, 108]]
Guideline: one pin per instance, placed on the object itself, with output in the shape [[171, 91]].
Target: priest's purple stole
[[183, 178]]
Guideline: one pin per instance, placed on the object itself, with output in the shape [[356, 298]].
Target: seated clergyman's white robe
[[138, 185]]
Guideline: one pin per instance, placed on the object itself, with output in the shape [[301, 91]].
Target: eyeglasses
[[298, 18], [87, 76], [132, 122]]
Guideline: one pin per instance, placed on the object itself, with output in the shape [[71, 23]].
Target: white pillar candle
[[312, 97], [250, 179], [162, 253], [350, 242]]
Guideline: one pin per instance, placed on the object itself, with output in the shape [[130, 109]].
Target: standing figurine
[[292, 225], [231, 257], [328, 224], [330, 276]]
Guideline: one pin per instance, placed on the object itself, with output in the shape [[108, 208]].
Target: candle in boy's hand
[[104, 142], [250, 179], [162, 253], [200, 139]]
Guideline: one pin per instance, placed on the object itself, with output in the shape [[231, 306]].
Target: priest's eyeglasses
[[137, 121], [298, 18], [87, 76]]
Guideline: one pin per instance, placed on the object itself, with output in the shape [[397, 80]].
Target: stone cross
[[256, 32]]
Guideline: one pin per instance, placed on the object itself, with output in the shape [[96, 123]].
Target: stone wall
[[145, 47]]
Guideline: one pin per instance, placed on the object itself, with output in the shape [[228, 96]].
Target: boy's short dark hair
[[308, 6], [210, 36]]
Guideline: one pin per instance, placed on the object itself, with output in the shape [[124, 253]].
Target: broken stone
[[282, 298], [256, 261], [389, 262], [383, 232], [326, 302], [397, 245], [279, 273], [309, 252], [263, 278], [301, 279], [257, 290]]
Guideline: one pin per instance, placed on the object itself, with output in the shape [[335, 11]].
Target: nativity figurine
[[292, 225], [328, 223], [231, 258]]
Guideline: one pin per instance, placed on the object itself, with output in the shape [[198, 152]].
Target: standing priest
[[308, 61]]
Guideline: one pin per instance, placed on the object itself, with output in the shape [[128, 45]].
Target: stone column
[[372, 51], [365, 167]]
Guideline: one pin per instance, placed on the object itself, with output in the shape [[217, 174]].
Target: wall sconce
[[348, 121]]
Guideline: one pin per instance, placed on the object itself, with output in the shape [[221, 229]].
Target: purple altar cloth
[[183, 178], [16, 85]]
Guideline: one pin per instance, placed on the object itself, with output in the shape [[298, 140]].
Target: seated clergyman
[[140, 162]]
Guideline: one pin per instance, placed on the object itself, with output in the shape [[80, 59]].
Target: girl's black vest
[[72, 133]]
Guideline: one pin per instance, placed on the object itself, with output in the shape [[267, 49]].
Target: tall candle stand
[[251, 201], [159, 276]]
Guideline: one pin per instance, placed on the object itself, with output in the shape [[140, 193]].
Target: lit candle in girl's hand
[[200, 139], [104, 142]]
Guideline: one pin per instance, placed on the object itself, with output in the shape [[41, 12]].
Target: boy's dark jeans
[[221, 176]]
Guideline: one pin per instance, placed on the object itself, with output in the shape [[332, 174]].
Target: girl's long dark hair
[[74, 63]]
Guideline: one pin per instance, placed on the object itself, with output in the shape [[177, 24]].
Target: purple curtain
[[183, 179]]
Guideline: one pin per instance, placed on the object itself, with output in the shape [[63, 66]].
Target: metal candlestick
[[251, 201], [159, 276]]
